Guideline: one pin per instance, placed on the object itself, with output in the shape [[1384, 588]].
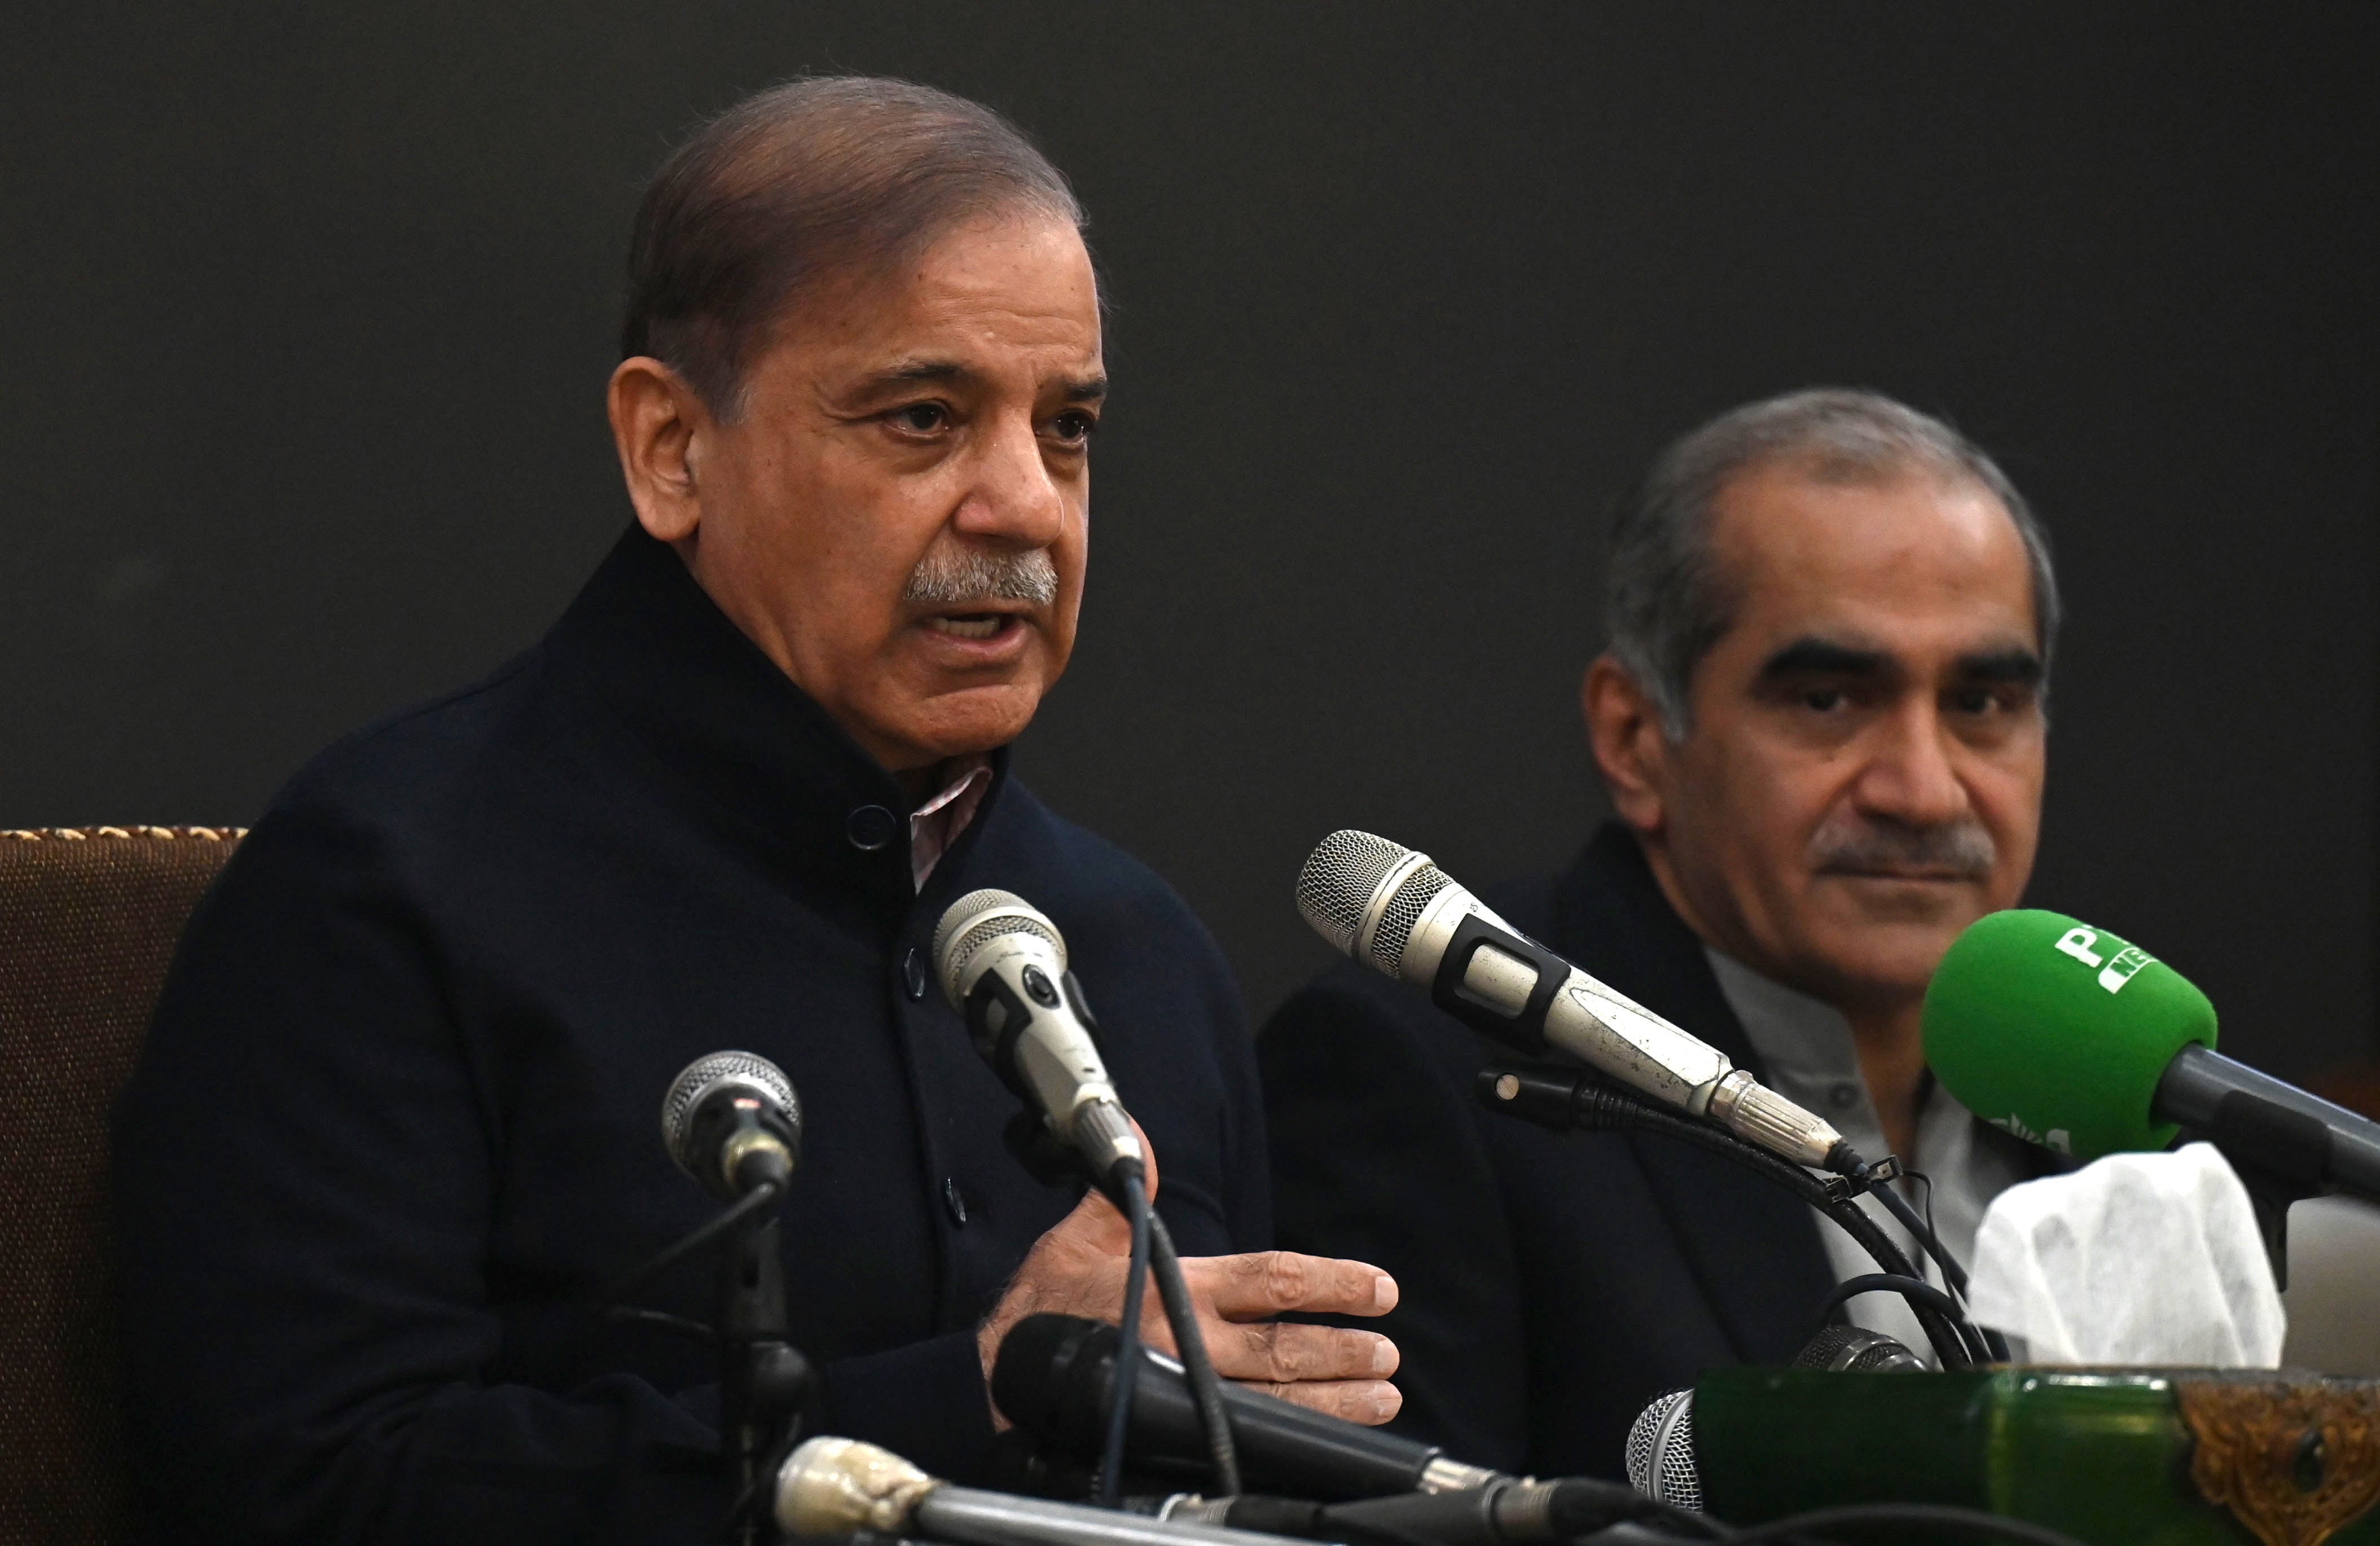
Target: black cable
[[1936, 1515], [1127, 1364], [1595, 1103], [1214, 1418], [1913, 1289], [1991, 1346], [743, 1208]]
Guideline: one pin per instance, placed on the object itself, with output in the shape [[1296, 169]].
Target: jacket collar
[[743, 747], [1611, 918]]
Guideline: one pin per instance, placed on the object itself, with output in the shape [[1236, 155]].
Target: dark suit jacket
[[1551, 1285], [398, 1113]]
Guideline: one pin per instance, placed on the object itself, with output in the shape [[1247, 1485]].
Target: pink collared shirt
[[936, 824]]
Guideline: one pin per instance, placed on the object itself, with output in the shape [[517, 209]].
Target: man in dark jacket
[[1820, 726], [395, 1122]]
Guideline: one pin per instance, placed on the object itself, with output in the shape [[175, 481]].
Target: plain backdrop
[[306, 312]]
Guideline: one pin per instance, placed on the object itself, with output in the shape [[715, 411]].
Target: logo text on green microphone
[[2077, 941]]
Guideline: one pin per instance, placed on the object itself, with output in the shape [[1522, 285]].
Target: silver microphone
[[1002, 965], [1391, 908], [1661, 1452], [730, 1120], [833, 1486]]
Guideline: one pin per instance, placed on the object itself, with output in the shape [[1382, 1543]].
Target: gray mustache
[[954, 575], [1965, 848]]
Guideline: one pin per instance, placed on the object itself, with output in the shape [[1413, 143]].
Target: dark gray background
[[308, 311]]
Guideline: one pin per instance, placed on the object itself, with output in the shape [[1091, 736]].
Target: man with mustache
[[394, 1124], [1820, 726]]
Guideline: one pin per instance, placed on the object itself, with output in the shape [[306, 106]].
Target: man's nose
[[1013, 497], [1911, 773]]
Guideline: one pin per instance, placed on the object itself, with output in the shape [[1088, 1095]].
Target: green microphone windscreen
[[2058, 1032]]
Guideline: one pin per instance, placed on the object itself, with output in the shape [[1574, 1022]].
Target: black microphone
[[731, 1121], [1053, 1379]]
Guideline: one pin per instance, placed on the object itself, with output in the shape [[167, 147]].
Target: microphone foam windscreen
[[2058, 1032]]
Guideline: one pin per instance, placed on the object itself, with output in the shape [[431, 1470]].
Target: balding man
[[394, 1124], [1820, 726]]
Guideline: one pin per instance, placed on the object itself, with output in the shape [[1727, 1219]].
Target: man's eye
[[1825, 700], [1073, 426], [924, 418]]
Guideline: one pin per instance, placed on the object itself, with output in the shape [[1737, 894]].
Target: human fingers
[[1263, 1283], [1370, 1402], [1282, 1352]]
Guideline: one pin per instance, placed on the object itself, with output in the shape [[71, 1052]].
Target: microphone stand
[[763, 1382], [1563, 1102]]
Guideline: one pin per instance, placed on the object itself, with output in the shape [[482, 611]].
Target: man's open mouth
[[976, 625]]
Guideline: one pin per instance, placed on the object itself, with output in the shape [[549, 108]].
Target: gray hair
[[1664, 600]]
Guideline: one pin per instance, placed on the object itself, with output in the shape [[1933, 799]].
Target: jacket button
[[913, 973], [870, 828], [953, 1202]]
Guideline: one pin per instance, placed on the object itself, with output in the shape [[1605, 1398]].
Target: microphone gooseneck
[[1390, 907]]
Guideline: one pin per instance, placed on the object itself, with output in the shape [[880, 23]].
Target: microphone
[[1661, 1463], [830, 1486], [2076, 1040], [1002, 965], [1661, 1452], [1054, 1373], [1391, 908], [1857, 1350], [731, 1121]]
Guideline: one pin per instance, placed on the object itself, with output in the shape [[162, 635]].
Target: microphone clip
[[1842, 1189]]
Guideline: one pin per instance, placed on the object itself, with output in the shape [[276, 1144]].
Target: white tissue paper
[[2135, 1258]]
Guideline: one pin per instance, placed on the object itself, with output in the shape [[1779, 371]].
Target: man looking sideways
[[395, 1122], [1819, 723]]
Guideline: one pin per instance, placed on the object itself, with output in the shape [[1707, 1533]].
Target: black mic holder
[[1566, 1100]]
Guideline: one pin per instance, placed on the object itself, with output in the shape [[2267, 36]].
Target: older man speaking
[[1820, 726], [396, 1120]]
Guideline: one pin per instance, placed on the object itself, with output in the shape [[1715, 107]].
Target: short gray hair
[[1664, 600]]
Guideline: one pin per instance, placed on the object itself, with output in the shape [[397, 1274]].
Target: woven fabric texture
[[87, 920]]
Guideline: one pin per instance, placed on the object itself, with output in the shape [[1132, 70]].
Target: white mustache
[[1848, 842], [954, 575]]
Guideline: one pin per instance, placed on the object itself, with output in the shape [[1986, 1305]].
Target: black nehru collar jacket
[[1551, 1285], [398, 1111]]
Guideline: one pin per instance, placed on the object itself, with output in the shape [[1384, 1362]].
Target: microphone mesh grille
[[702, 1076], [1338, 881], [1405, 909], [1661, 1452], [977, 918]]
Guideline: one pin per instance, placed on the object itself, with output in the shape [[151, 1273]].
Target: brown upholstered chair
[[87, 920]]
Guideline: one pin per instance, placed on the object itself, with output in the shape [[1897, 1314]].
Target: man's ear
[[1631, 745], [656, 418]]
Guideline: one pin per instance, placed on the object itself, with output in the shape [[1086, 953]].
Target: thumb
[[1097, 1224]]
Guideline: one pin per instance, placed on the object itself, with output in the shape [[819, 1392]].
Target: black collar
[[744, 747], [1612, 918]]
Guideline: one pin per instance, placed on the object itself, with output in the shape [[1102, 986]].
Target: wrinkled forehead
[[1911, 560]]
